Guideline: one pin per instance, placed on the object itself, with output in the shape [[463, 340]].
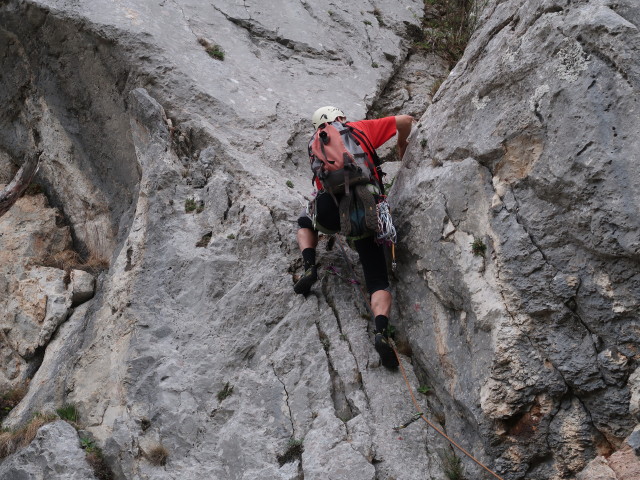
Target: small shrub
[[378, 14], [424, 389], [478, 247], [452, 467], [10, 399], [423, 143], [68, 412], [292, 453], [375, 65], [158, 455], [391, 331], [214, 50], [95, 459], [190, 205], [448, 35], [145, 423], [289, 184], [225, 392], [204, 241], [366, 22], [231, 236]]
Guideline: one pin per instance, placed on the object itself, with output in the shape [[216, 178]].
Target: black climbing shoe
[[387, 355], [303, 285]]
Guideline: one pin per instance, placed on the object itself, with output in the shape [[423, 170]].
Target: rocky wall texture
[[529, 150], [175, 167]]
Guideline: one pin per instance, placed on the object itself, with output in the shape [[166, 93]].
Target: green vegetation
[[231, 236], [378, 14], [478, 247], [375, 64], [424, 389], [452, 467], [292, 453], [366, 22], [289, 184], [11, 399], [447, 33], [204, 241], [190, 205], [225, 392], [68, 412], [95, 458], [214, 50]]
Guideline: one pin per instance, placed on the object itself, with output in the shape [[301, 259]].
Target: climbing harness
[[404, 374], [417, 416]]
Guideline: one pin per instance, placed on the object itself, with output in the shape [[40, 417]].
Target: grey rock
[[633, 440], [528, 147], [54, 454]]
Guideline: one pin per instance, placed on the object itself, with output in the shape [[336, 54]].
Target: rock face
[[174, 164], [54, 454], [529, 150]]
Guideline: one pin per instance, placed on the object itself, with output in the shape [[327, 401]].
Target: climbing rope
[[404, 374], [386, 231]]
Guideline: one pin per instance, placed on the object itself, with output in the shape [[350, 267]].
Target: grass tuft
[[158, 455], [292, 453], [214, 50], [96, 459], [452, 467], [11, 441], [478, 247], [68, 412], [225, 392], [448, 33], [10, 399]]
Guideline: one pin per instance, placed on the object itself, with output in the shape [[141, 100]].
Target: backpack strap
[[362, 137]]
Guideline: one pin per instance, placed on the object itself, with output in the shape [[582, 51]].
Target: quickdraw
[[416, 417]]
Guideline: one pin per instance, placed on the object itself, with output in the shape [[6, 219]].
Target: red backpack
[[338, 160]]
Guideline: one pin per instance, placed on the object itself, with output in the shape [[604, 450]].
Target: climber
[[369, 135]]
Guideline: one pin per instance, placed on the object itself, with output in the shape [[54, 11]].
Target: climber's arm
[[403, 126]]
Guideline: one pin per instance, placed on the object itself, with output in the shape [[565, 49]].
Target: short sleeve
[[378, 131]]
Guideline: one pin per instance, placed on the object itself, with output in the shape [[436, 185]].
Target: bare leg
[[381, 303], [307, 238]]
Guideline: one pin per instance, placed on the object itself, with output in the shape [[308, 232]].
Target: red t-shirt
[[378, 131]]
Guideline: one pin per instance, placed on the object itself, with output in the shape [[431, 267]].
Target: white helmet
[[324, 115]]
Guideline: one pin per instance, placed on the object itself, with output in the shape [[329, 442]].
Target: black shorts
[[372, 258]]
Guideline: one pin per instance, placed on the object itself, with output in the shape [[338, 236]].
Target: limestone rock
[[528, 340], [82, 286], [54, 454], [529, 146]]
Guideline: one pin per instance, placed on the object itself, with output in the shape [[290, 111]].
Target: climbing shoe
[[387, 355], [303, 286]]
